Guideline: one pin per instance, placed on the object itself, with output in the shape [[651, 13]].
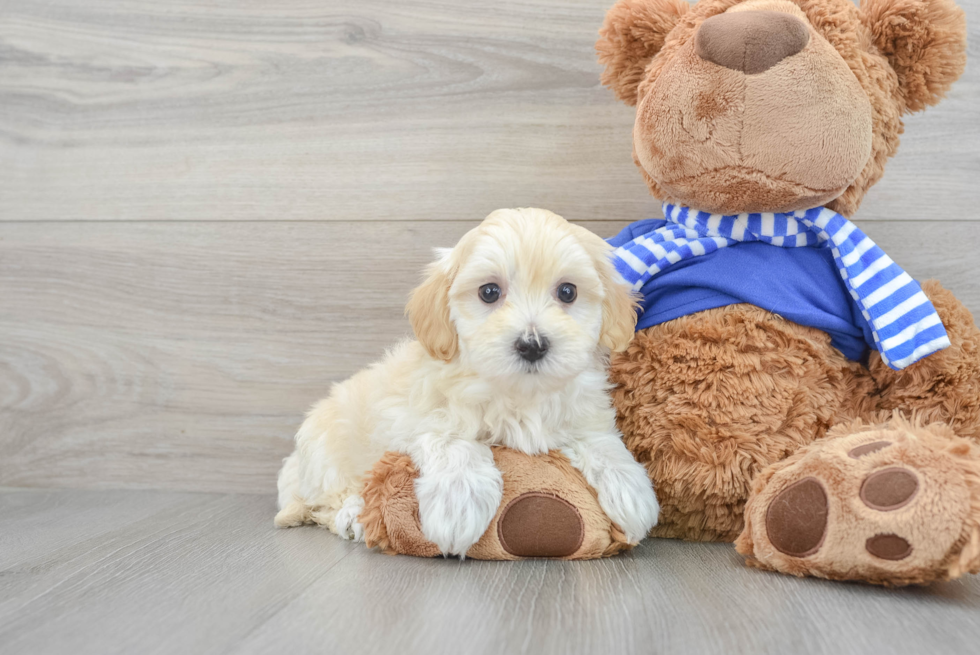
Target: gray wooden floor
[[192, 198], [176, 572]]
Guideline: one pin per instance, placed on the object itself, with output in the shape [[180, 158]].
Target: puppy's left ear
[[618, 311], [619, 303], [924, 41], [428, 309]]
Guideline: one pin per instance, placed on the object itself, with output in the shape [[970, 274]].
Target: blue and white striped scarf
[[904, 322]]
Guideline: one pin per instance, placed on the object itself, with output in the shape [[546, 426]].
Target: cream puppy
[[514, 327]]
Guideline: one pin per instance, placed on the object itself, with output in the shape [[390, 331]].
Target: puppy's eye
[[489, 293], [567, 292]]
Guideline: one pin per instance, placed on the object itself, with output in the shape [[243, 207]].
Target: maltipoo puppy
[[514, 325]]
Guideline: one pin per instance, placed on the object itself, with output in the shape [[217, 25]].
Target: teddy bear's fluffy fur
[[733, 406], [904, 54], [945, 521], [710, 400]]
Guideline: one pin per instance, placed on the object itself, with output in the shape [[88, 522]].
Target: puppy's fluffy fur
[[463, 386]]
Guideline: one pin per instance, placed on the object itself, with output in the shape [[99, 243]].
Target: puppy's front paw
[[345, 522], [455, 508], [627, 497]]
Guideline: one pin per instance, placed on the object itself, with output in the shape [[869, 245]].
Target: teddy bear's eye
[[567, 292], [490, 293]]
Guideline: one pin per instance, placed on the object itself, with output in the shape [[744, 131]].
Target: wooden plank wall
[[212, 210]]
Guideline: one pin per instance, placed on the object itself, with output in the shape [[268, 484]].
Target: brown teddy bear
[[547, 510], [773, 403], [810, 438]]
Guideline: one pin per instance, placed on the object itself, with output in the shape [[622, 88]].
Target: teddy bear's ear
[[923, 40], [633, 32]]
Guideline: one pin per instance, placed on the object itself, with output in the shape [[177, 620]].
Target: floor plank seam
[[285, 605]]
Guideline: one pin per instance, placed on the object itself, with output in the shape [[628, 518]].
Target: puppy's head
[[524, 293]]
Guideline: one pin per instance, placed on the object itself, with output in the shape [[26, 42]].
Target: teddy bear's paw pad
[[537, 524], [888, 546], [878, 505], [796, 520], [866, 449], [889, 489]]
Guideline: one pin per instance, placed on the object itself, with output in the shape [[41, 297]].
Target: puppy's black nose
[[531, 348]]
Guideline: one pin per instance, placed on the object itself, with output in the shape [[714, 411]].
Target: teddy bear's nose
[[750, 41]]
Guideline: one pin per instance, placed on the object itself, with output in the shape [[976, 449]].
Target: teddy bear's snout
[[750, 41]]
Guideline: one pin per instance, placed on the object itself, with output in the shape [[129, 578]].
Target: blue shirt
[[802, 285]]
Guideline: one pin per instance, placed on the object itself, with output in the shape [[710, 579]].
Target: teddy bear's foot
[[548, 510], [889, 503]]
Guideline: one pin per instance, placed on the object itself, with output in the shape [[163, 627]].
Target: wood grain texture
[[183, 355], [104, 572], [358, 110], [138, 572]]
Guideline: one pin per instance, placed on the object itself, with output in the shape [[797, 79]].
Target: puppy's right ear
[[428, 310], [632, 34]]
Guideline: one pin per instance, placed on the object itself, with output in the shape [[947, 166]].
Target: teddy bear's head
[[775, 105]]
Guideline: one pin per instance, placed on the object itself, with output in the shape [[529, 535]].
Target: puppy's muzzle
[[531, 347]]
